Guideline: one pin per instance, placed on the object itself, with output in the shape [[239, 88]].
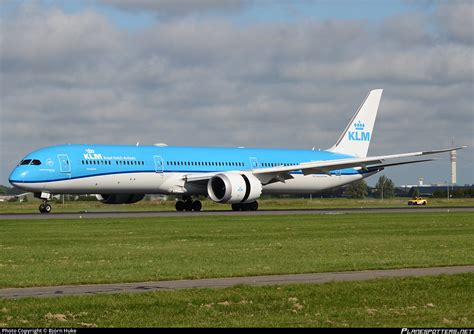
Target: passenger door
[[159, 165], [64, 164], [253, 162]]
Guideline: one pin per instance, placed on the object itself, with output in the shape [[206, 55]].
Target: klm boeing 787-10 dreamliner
[[238, 176]]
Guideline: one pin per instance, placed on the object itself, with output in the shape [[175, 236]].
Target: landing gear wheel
[[45, 208], [253, 206], [188, 205], [236, 207], [197, 206], [179, 206]]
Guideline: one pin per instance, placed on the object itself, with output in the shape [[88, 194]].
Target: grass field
[[53, 252], [442, 301], [264, 204]]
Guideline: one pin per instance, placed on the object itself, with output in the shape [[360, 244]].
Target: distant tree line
[[455, 193]]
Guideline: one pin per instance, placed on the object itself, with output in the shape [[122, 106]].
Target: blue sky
[[252, 12]]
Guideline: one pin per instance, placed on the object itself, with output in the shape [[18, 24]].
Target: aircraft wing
[[381, 166], [282, 173]]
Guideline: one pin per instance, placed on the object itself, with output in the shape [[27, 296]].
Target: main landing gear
[[45, 207], [252, 206], [187, 204]]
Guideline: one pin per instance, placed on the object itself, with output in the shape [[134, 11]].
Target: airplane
[[120, 174], [8, 198]]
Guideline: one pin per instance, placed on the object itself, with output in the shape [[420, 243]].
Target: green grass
[[442, 301], [265, 204], [53, 252]]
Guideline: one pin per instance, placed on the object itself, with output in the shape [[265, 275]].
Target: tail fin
[[356, 137]]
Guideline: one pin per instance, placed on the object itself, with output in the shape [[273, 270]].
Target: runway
[[313, 278], [145, 214]]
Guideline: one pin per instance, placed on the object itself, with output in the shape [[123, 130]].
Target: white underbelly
[[310, 183]]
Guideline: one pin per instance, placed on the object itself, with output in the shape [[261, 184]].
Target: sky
[[238, 73]]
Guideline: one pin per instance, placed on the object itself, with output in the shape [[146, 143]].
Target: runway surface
[[315, 278], [138, 214]]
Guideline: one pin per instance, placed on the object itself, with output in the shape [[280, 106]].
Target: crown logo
[[89, 150], [359, 125]]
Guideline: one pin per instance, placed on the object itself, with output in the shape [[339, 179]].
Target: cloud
[[77, 77], [177, 8], [45, 39], [456, 19]]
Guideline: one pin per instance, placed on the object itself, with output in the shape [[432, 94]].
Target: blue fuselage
[[94, 167]]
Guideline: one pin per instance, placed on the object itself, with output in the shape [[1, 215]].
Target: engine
[[120, 198], [234, 188]]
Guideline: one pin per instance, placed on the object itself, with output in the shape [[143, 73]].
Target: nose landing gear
[[45, 207]]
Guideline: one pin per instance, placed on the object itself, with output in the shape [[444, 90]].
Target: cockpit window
[[34, 162]]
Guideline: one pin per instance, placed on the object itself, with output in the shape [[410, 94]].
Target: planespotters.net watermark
[[437, 331]]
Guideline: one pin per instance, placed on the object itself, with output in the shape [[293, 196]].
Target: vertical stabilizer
[[356, 137]]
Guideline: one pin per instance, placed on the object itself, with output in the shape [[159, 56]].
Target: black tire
[[424, 203], [45, 208], [197, 206], [188, 206], [179, 206], [253, 206], [236, 207]]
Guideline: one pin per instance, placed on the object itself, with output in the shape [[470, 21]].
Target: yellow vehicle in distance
[[417, 201]]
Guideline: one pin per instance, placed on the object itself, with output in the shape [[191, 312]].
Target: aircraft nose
[[17, 177]]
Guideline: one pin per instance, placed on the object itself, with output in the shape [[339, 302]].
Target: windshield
[[34, 162]]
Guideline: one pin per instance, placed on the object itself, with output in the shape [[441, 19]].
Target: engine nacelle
[[234, 188], [120, 198]]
